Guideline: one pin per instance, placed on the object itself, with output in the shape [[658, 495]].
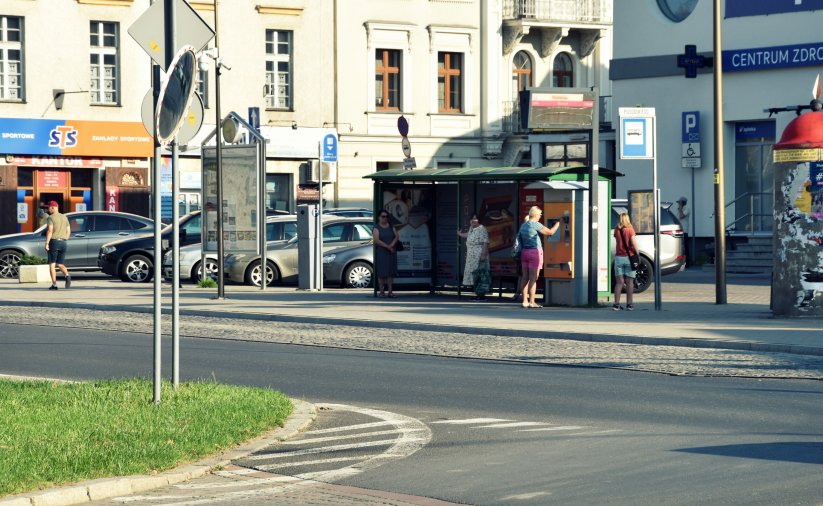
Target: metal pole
[[656, 194], [175, 262], [594, 196], [261, 146], [157, 318], [719, 191], [221, 294]]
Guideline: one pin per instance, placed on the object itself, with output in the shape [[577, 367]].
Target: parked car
[[350, 212], [279, 228], [672, 252], [351, 266], [132, 260], [282, 258], [89, 231]]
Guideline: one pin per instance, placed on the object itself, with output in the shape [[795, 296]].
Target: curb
[[687, 342], [105, 488]]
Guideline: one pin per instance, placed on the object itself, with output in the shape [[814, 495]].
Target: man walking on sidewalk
[[57, 236]]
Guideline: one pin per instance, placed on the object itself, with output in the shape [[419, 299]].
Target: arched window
[[521, 73], [562, 71]]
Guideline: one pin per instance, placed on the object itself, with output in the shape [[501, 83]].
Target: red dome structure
[[804, 132]]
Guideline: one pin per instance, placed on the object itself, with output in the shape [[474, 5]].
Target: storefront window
[[278, 188]]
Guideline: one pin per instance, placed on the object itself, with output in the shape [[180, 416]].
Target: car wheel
[[253, 274], [9, 261], [136, 269], [644, 277], [358, 275], [211, 271]]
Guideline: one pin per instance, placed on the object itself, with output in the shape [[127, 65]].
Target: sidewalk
[[689, 315]]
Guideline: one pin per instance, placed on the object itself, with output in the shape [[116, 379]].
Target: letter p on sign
[[691, 126]]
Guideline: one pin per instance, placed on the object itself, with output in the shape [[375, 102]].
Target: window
[[203, 86], [289, 230], [362, 232], [79, 224], [105, 222], [566, 155], [334, 232], [521, 73], [278, 69], [11, 58], [449, 82], [562, 71], [104, 66], [136, 225], [387, 79]]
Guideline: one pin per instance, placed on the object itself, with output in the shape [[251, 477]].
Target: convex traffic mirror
[[175, 94]]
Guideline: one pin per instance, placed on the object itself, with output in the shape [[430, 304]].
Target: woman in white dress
[[477, 249]]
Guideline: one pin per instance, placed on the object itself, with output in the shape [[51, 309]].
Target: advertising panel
[[742, 8], [497, 212], [411, 212], [240, 179], [448, 263], [74, 138]]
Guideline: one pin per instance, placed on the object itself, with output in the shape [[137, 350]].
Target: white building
[[771, 55]]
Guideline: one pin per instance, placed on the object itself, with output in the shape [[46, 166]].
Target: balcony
[[598, 12]]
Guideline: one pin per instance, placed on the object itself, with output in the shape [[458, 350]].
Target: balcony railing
[[569, 11]]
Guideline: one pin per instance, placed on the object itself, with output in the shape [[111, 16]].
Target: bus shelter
[[428, 206]]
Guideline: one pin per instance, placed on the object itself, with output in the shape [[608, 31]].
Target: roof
[[484, 174]]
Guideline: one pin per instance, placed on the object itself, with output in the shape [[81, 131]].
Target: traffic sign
[[691, 126], [690, 150], [403, 126], [406, 146], [175, 95], [189, 28], [329, 149], [254, 117], [636, 132], [191, 123]]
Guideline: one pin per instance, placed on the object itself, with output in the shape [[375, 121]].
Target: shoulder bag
[[634, 259]]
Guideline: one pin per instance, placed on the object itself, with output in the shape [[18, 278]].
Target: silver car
[[279, 228], [672, 252], [352, 266], [282, 258], [89, 231]]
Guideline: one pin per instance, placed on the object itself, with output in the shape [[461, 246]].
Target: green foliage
[[207, 283], [32, 260], [57, 433]]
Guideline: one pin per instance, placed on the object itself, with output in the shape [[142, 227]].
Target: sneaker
[[68, 281], [617, 307], [53, 287], [629, 307]]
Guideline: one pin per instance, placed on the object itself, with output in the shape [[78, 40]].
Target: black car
[[132, 260], [89, 231]]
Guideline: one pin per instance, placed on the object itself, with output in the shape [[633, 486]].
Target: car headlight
[[107, 250], [327, 259]]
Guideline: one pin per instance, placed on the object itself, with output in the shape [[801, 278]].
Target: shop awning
[[483, 174]]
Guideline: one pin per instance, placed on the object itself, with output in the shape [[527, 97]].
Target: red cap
[[53, 203]]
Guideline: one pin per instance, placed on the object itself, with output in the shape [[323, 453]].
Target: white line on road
[[509, 425], [350, 436], [272, 467], [560, 427], [322, 449], [350, 427], [469, 421]]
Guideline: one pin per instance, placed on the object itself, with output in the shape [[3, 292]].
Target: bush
[[32, 260], [207, 283]]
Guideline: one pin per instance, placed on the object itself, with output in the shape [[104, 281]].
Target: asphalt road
[[564, 435]]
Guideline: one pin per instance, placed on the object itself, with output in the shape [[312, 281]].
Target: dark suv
[[132, 260]]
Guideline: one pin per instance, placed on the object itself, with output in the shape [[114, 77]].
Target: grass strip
[[57, 433]]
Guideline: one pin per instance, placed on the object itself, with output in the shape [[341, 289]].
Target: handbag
[[482, 278], [634, 259], [517, 247]]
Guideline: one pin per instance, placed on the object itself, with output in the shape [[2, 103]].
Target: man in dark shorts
[[57, 236]]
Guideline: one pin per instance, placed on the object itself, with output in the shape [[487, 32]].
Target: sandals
[[392, 296], [527, 305]]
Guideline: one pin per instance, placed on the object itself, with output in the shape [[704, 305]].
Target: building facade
[[770, 52]]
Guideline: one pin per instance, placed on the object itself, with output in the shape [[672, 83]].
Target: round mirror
[[677, 10], [175, 95]]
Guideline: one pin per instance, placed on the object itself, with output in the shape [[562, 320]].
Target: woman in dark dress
[[385, 240]]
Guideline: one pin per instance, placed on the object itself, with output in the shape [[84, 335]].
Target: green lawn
[[56, 433]]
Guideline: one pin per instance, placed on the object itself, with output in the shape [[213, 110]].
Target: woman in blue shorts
[[531, 253], [625, 244]]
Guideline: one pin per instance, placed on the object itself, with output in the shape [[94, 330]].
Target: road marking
[[315, 462], [348, 436], [561, 427], [510, 425], [322, 449], [469, 421], [350, 427], [239, 483]]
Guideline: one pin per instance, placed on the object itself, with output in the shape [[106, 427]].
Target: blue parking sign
[[329, 148], [691, 126]]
